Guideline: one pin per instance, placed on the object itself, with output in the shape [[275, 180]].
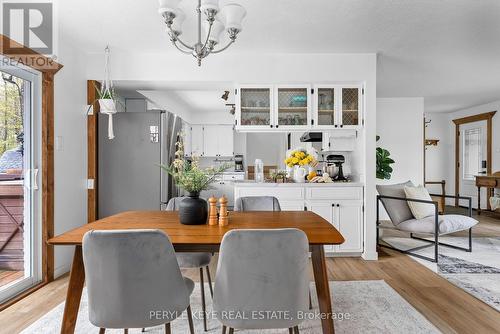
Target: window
[[472, 153]]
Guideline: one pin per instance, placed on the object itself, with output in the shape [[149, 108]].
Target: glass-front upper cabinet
[[254, 107], [337, 106], [326, 106], [351, 101], [292, 106]]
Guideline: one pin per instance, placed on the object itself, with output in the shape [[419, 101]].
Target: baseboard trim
[[60, 271]]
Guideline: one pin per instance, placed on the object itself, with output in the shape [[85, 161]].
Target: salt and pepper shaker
[[223, 215], [212, 212]]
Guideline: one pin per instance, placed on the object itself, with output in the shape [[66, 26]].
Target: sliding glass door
[[20, 199]]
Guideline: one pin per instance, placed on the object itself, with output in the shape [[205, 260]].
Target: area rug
[[360, 306], [478, 272]]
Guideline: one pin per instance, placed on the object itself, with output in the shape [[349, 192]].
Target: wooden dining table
[[205, 238]]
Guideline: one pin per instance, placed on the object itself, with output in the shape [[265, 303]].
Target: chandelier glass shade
[[216, 21]]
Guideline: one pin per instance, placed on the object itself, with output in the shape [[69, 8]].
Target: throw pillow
[[419, 210]]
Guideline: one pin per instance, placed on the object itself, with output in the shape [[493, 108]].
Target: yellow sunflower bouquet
[[300, 157]]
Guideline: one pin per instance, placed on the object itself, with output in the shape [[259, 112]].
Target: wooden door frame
[[488, 117], [20, 54], [92, 149]]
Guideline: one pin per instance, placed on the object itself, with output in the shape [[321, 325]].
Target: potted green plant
[[189, 176], [384, 162]]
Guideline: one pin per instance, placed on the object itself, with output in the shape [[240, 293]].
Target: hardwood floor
[[8, 276], [449, 308]]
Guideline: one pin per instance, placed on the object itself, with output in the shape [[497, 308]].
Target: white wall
[[266, 68], [443, 159], [439, 157], [70, 122], [400, 127]]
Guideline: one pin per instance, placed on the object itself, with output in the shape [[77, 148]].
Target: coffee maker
[[238, 163], [337, 160]]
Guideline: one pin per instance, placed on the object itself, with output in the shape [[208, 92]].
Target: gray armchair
[[394, 200]]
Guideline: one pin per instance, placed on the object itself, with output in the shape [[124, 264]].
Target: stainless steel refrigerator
[[129, 176]]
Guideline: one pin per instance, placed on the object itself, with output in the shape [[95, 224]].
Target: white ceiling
[[447, 51]]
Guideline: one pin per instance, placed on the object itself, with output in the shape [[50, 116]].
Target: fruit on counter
[[311, 175], [325, 178]]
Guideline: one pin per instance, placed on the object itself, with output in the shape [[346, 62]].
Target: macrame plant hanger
[[106, 100]]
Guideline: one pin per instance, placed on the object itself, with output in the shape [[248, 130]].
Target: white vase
[[107, 106], [299, 174]]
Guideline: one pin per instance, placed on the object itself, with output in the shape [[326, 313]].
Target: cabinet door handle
[[341, 125], [336, 125], [338, 205], [271, 125], [277, 126]]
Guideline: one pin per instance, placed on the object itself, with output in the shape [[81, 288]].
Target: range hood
[[311, 137]]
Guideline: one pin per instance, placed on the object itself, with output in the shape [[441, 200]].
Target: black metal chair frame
[[434, 242]]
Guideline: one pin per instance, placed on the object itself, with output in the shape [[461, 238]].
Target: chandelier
[[232, 14]]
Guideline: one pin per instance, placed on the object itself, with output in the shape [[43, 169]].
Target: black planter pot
[[193, 210]]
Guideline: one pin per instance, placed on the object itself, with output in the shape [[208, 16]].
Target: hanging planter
[[107, 97]]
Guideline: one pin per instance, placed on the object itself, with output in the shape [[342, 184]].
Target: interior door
[[472, 154]]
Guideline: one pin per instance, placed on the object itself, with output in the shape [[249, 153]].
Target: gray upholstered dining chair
[[262, 273], [395, 202], [260, 203], [257, 203], [133, 280], [190, 260]]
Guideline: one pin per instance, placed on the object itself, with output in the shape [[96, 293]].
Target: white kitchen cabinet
[[225, 140], [218, 140], [340, 204], [210, 141], [186, 129], [292, 205], [298, 107], [254, 107], [326, 211], [337, 106], [349, 215], [292, 107], [197, 140]]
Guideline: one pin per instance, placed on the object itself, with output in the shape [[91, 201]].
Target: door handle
[[35, 179]]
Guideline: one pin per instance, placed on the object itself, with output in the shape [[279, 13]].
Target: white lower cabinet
[[340, 206], [347, 217], [292, 205], [325, 210]]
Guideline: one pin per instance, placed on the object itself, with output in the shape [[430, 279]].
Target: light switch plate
[[58, 143], [90, 183]]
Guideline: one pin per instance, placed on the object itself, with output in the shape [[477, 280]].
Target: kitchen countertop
[[251, 183]]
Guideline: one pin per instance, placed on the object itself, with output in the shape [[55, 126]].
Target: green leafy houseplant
[[188, 175], [384, 163]]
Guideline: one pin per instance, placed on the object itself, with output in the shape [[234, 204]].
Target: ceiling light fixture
[[232, 15]]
